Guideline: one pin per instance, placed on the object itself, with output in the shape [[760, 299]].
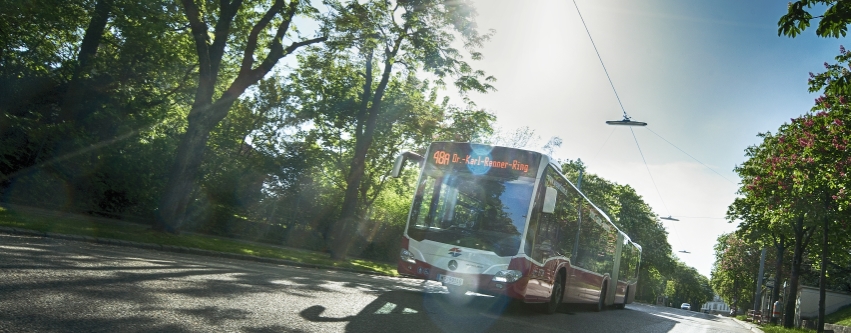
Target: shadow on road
[[415, 311], [56, 285]]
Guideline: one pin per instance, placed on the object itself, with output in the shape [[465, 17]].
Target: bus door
[[551, 236]]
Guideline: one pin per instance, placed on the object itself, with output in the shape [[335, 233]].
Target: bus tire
[[601, 303], [556, 295]]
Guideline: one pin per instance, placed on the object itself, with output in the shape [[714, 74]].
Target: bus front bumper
[[479, 283]]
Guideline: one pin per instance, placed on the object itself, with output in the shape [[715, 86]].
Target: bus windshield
[[473, 211]]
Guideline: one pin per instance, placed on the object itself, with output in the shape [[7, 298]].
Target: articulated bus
[[506, 222]]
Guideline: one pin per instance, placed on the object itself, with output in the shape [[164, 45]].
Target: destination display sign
[[482, 160]]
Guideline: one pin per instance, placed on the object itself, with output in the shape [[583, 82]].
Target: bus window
[[473, 211], [596, 242], [553, 234], [626, 266]]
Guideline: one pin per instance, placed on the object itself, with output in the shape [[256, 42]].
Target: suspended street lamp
[[626, 121], [669, 218]]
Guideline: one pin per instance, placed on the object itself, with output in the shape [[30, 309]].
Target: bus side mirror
[[550, 200], [400, 162]]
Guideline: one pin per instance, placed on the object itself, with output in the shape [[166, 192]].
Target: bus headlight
[[507, 276], [407, 256]]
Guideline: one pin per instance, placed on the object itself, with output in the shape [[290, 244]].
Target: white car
[[685, 306]]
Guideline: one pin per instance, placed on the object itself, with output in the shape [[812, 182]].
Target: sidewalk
[[753, 327]]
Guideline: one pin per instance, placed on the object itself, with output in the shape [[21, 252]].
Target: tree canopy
[[186, 115], [795, 184]]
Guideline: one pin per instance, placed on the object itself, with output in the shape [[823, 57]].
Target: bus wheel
[[625, 296], [557, 294], [601, 304]]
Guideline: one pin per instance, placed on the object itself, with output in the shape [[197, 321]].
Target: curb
[[752, 327], [177, 249], [837, 328]]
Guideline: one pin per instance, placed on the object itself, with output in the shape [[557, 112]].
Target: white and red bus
[[506, 222]]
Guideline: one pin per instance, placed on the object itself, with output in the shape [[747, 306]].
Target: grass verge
[[62, 223], [781, 329], [840, 317]]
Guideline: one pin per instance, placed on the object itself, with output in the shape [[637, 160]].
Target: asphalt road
[[50, 285]]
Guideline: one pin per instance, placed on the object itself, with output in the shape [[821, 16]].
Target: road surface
[[51, 285]]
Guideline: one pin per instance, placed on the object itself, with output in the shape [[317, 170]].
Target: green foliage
[[795, 182], [840, 317], [686, 285], [834, 21], [735, 269], [418, 35], [101, 228], [801, 171], [274, 168], [634, 217], [781, 329], [110, 159]]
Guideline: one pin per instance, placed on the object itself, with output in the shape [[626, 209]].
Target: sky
[[707, 76]]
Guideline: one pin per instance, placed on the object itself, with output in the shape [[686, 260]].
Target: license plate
[[446, 279]]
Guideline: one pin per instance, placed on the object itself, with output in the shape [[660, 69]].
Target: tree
[[633, 216], [417, 35], [686, 285], [768, 180], [636, 218], [522, 137], [120, 77], [824, 139], [834, 21], [734, 270], [72, 100], [758, 227], [266, 36], [799, 174]]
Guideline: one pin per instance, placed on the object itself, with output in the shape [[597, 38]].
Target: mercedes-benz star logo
[[453, 265]]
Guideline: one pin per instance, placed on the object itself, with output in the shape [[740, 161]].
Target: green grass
[[75, 225], [781, 329], [841, 317]]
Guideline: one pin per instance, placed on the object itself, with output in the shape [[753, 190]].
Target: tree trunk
[[190, 153], [71, 102], [801, 238], [822, 281], [72, 110], [205, 113], [780, 246], [345, 227], [736, 294]]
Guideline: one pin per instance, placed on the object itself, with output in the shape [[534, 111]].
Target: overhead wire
[[619, 103], [626, 116], [604, 142], [692, 157], [648, 171], [601, 59]]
